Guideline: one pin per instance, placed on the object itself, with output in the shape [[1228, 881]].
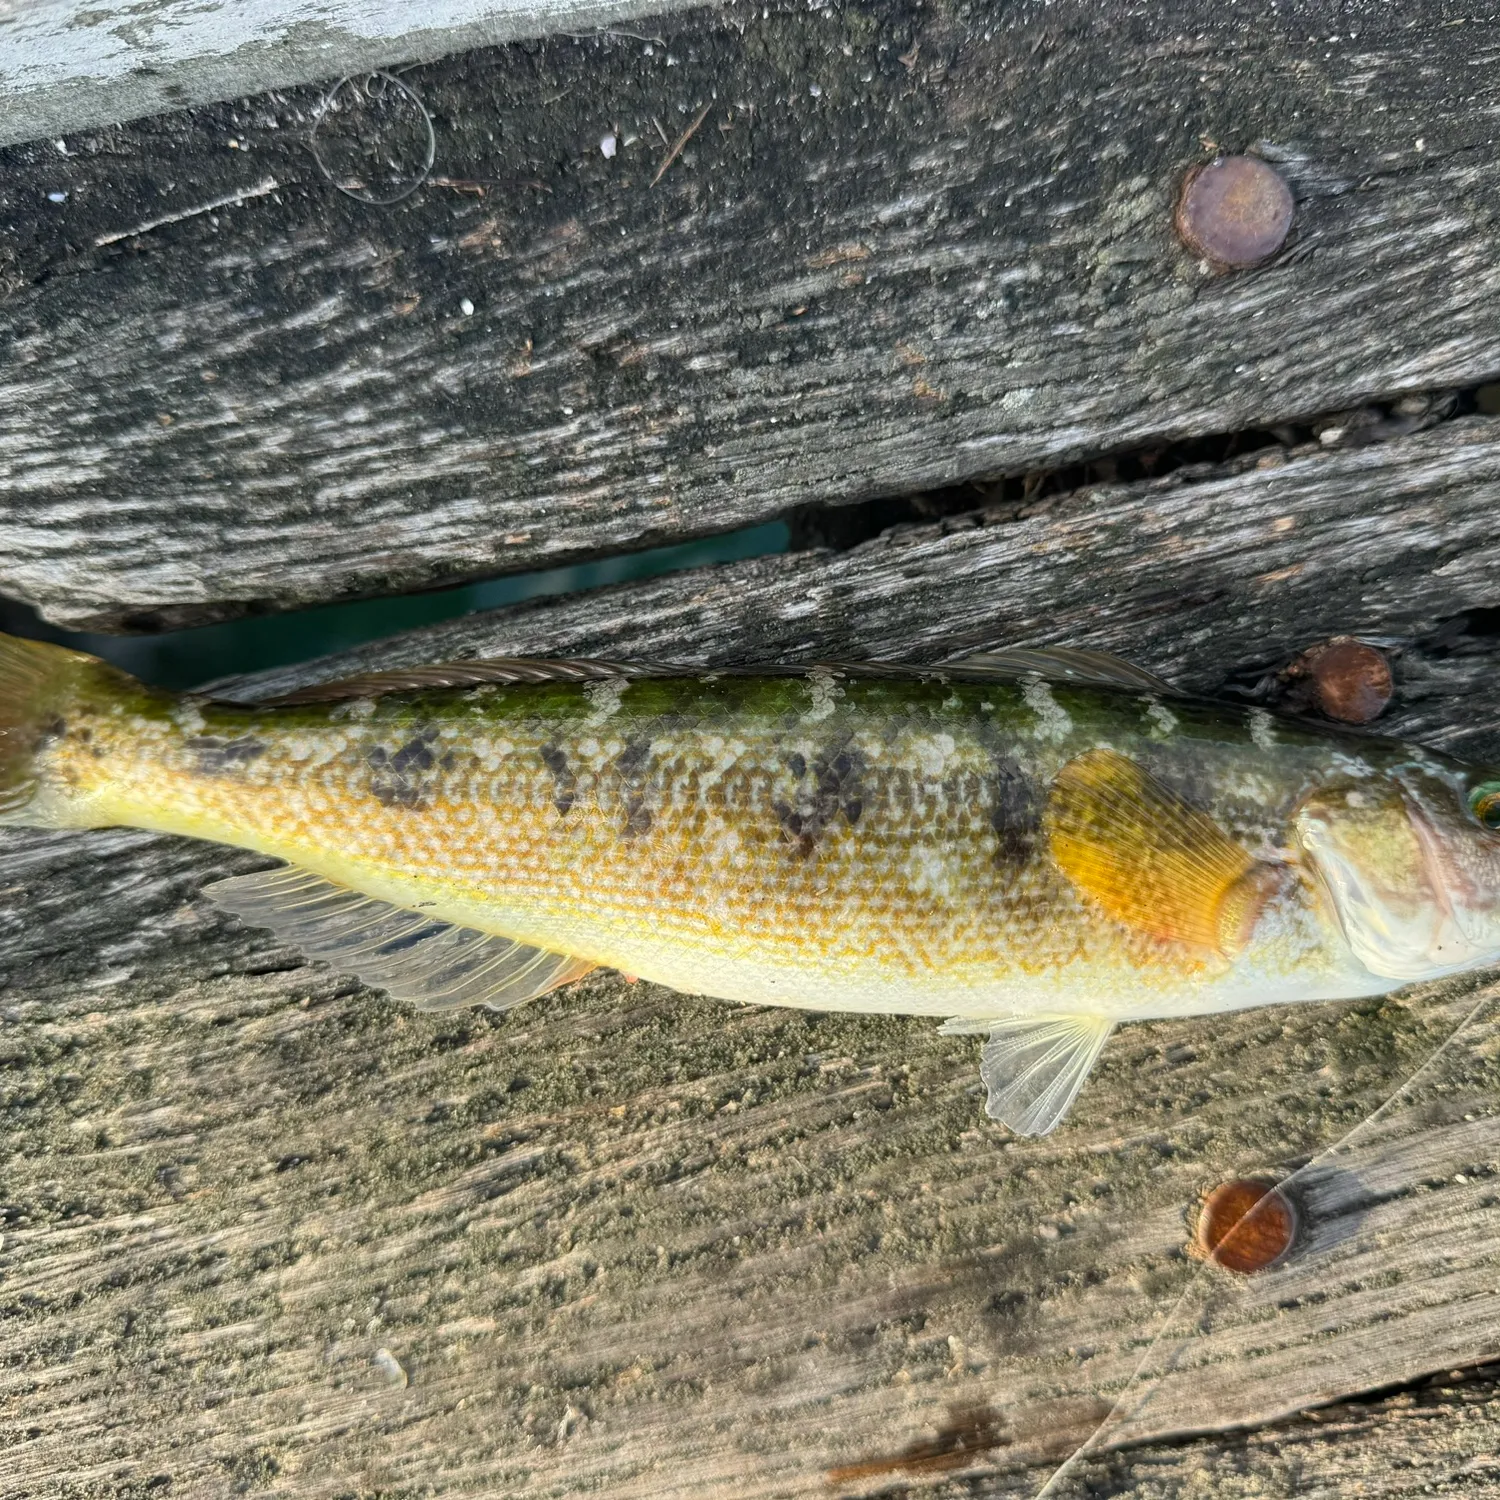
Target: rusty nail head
[[1245, 1225], [1344, 678], [1234, 211]]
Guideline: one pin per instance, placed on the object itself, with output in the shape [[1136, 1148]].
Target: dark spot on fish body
[[394, 774], [392, 793], [632, 769], [789, 818], [215, 756], [830, 786], [637, 816], [565, 784], [1015, 813], [415, 754], [841, 784], [84, 735], [798, 831], [632, 759]]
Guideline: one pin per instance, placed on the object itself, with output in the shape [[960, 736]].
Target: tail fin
[[39, 686]]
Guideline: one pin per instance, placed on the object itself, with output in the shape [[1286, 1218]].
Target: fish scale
[[984, 842]]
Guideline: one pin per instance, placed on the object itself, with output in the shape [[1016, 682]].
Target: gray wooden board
[[70, 65], [271, 1233], [906, 247], [1193, 575]]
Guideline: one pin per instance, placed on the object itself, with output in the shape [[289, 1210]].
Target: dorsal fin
[[433, 964], [501, 670], [1063, 664]]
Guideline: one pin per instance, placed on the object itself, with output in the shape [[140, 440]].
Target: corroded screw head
[[1235, 211], [1245, 1225], [1343, 679]]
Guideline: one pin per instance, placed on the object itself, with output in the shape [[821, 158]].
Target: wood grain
[[906, 248], [267, 1232]]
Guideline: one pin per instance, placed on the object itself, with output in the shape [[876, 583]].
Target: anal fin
[[435, 965], [1034, 1066]]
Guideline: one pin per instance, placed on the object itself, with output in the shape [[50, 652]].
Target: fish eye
[[1484, 803]]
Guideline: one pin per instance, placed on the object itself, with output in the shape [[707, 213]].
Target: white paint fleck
[[57, 197], [466, 307], [1262, 729], [825, 692], [604, 700], [608, 145], [1052, 723], [1161, 716]]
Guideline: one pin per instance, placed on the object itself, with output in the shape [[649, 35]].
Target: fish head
[[1410, 861]]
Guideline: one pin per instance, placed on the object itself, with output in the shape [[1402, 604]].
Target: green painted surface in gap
[[185, 658]]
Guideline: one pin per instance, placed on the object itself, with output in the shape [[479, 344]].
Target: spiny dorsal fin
[[501, 670], [1151, 860], [1064, 664], [1034, 1066], [435, 965]]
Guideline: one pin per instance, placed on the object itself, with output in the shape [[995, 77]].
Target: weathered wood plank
[[67, 65], [904, 248], [1200, 576], [650, 1245]]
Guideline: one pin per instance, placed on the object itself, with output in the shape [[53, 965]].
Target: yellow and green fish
[[1033, 845]]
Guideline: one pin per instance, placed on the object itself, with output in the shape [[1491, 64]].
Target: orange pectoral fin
[[1150, 860]]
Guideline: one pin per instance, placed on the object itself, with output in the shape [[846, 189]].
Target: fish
[[1032, 845]]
